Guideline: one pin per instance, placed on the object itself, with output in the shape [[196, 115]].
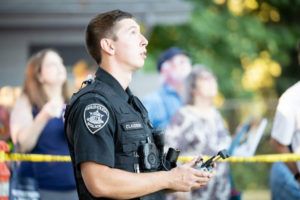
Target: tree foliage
[[249, 44], [251, 47]]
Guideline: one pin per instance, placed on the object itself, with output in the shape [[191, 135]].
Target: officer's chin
[[136, 68]]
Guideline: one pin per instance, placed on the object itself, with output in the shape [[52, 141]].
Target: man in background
[[285, 138], [173, 65]]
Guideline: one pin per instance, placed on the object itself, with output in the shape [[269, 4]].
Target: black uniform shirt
[[102, 135], [96, 124]]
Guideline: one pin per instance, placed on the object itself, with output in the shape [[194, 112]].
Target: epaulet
[[89, 80]]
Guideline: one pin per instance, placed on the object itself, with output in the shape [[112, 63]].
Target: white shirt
[[286, 126]]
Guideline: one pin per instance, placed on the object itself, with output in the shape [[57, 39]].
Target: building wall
[[15, 49]]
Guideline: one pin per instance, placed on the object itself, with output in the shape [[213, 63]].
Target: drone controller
[[207, 166]]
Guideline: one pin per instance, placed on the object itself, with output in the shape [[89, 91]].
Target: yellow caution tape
[[55, 158], [290, 157], [33, 157]]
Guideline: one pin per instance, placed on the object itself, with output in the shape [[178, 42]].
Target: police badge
[[95, 117]]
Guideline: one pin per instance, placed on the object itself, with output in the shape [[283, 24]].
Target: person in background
[[4, 123], [37, 125], [173, 65], [198, 127], [285, 138], [8, 96]]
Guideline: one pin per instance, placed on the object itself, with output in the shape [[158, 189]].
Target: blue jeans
[[283, 184]]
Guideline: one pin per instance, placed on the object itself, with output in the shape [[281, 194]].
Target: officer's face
[[130, 46], [53, 71]]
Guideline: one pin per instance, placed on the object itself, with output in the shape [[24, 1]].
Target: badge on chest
[[95, 117]]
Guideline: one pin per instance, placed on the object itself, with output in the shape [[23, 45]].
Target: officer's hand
[[53, 108], [186, 177]]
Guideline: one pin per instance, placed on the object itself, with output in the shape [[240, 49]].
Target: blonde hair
[[33, 87]]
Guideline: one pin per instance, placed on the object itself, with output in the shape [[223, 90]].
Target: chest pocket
[[132, 130]]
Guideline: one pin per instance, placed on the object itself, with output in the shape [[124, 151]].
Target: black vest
[[126, 145]]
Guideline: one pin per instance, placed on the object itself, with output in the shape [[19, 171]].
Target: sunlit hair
[[33, 88], [100, 27], [190, 82]]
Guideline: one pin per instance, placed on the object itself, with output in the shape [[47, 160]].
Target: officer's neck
[[122, 75]]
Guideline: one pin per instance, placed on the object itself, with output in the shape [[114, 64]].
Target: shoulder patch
[[95, 117]]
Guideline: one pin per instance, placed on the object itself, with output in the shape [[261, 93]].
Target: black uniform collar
[[104, 76]]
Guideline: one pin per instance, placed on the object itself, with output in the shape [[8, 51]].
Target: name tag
[[128, 126]]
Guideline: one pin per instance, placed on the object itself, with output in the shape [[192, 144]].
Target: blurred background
[[249, 44]]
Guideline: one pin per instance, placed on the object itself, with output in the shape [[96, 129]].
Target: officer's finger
[[200, 183], [203, 182], [199, 158], [214, 165], [202, 179], [192, 162], [200, 173]]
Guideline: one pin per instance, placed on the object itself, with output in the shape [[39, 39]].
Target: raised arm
[[25, 130]]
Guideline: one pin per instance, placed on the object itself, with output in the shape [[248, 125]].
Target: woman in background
[[199, 128], [37, 125]]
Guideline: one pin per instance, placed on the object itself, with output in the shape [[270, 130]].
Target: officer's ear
[[107, 46]]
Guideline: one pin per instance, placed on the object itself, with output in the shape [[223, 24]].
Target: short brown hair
[[33, 88], [100, 27]]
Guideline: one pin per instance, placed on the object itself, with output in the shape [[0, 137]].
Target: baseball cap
[[168, 54]]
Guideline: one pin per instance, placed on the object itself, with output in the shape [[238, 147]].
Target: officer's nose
[[144, 41]]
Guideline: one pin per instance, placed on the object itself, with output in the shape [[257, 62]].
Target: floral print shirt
[[195, 135]]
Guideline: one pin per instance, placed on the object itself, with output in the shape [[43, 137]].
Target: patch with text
[[128, 126], [95, 117]]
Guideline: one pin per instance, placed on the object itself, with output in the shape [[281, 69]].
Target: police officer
[[108, 130]]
